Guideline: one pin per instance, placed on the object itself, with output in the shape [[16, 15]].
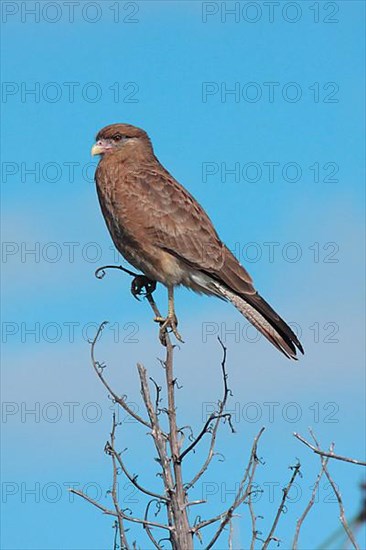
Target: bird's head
[[119, 137]]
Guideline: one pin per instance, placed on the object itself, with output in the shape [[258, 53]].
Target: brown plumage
[[162, 230]]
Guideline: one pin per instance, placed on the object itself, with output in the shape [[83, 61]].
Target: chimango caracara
[[162, 231]]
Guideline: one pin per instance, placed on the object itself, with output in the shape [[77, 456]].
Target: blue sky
[[188, 73]]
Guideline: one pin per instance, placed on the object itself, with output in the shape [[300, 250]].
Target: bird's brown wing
[[176, 222]]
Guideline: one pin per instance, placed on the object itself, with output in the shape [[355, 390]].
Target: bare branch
[[310, 504], [116, 546], [121, 530], [342, 515], [195, 502], [100, 272], [159, 439], [204, 430], [286, 490], [253, 519], [231, 532], [123, 515], [356, 523], [153, 305], [99, 371], [147, 528], [110, 449], [105, 510], [328, 453], [134, 481], [158, 392], [240, 497], [218, 415]]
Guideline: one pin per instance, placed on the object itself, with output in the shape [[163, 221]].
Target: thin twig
[[105, 510], [342, 515], [147, 528], [218, 417], [310, 504], [123, 515], [100, 272], [295, 473], [231, 532], [204, 430], [99, 371], [121, 530], [158, 392], [133, 479], [195, 502], [116, 546], [329, 454], [355, 523], [153, 305], [240, 496], [253, 519]]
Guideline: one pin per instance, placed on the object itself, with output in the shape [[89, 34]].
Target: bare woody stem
[[181, 536], [328, 454], [180, 498], [159, 441]]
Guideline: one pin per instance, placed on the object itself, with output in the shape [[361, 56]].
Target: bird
[[161, 230]]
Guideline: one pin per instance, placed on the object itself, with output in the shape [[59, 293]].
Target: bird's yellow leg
[[171, 320]]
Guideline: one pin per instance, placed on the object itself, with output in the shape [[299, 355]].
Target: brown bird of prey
[[161, 230]]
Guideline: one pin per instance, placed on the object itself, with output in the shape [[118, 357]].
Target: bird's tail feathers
[[265, 319]]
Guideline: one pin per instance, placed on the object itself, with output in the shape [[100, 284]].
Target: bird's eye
[[117, 137]]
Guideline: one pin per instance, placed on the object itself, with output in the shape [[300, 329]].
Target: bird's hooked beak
[[101, 147]]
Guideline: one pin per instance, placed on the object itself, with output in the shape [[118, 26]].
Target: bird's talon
[[170, 322], [142, 286], [159, 320]]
